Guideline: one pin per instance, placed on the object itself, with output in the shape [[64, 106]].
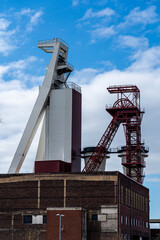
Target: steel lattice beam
[[98, 155]]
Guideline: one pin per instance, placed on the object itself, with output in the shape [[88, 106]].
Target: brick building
[[115, 206]]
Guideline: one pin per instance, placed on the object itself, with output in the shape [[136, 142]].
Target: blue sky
[[111, 42]]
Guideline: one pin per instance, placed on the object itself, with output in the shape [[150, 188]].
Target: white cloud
[[25, 11], [136, 16], [96, 21], [102, 32], [16, 102], [17, 70], [84, 76], [19, 22], [4, 24], [107, 12], [133, 42], [153, 180], [34, 20], [107, 64], [75, 2], [102, 2], [15, 110], [7, 42], [148, 60]]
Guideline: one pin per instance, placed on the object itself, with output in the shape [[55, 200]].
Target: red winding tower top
[[125, 110]]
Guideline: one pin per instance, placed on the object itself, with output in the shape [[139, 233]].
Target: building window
[[121, 219], [143, 204], [34, 219], [126, 196], [126, 221], [27, 219], [146, 205], [134, 201], [138, 202], [94, 217], [121, 193], [84, 225], [44, 219], [129, 197]]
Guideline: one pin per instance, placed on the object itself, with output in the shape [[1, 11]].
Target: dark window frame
[[27, 219]]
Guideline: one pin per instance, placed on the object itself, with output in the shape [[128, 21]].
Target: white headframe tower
[[60, 104]]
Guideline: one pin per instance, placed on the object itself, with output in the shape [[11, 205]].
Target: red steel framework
[[125, 110]]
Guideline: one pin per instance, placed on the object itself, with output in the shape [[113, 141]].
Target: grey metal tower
[[55, 102]]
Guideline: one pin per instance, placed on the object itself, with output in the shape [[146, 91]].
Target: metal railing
[[73, 86], [66, 63], [52, 40], [47, 41]]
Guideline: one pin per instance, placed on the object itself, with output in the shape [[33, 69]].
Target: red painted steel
[[125, 110], [98, 155], [52, 166]]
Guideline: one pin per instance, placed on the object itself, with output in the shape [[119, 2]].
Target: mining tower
[[58, 201]]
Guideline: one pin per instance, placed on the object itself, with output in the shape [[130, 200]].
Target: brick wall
[[71, 224], [51, 193], [89, 194], [18, 195], [134, 208], [12, 227], [34, 193]]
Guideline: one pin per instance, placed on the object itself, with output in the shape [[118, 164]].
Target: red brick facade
[[71, 224]]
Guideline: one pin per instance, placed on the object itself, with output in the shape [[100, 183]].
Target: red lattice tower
[[125, 110]]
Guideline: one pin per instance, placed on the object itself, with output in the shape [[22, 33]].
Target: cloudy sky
[[111, 42]]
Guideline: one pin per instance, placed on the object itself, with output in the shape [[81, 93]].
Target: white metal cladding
[[59, 126]]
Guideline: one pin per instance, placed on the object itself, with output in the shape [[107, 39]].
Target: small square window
[[27, 219], [94, 217]]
